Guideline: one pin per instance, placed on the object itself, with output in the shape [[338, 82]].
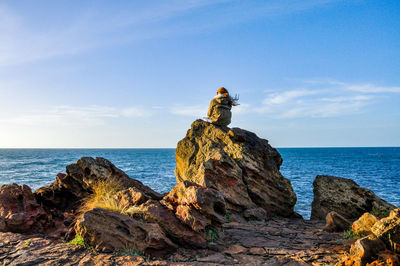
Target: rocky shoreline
[[231, 205]]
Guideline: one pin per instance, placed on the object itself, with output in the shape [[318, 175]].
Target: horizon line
[[150, 148]]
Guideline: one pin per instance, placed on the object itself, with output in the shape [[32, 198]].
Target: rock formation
[[68, 190], [19, 211], [237, 163], [109, 231], [363, 225], [227, 178], [162, 228], [195, 205], [345, 197], [381, 246], [336, 223], [364, 250], [388, 230]]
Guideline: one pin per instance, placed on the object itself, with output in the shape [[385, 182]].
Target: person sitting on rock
[[219, 111]]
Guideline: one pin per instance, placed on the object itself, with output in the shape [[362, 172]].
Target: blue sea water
[[375, 168]]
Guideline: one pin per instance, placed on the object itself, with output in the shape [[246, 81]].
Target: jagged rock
[[364, 251], [203, 201], [237, 163], [345, 197], [255, 214], [109, 231], [131, 196], [66, 192], [364, 224], [386, 258], [19, 211], [152, 211], [191, 217], [336, 222], [388, 230]]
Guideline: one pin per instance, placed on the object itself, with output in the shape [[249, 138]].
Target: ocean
[[375, 168]]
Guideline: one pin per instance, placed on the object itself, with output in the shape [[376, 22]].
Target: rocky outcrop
[[364, 251], [336, 222], [68, 190], [109, 231], [345, 197], [19, 211], [195, 205], [154, 212], [381, 247], [363, 225], [131, 197], [388, 230], [237, 163]]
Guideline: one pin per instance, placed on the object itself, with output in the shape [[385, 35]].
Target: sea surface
[[375, 168]]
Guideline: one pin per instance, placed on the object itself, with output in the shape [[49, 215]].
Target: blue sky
[[137, 73]]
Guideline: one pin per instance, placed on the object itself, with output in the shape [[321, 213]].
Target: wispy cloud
[[74, 116], [193, 111], [370, 88], [323, 98], [284, 97], [22, 40]]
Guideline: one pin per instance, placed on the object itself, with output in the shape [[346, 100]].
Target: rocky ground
[[278, 241], [231, 205]]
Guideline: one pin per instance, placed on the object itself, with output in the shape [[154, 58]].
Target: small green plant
[[78, 241], [227, 216], [211, 233], [350, 235], [28, 243]]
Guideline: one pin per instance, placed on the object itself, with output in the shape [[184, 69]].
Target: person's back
[[219, 111]]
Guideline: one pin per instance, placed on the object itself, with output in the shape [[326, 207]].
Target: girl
[[219, 111]]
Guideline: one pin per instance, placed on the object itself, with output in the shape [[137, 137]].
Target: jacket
[[219, 110]]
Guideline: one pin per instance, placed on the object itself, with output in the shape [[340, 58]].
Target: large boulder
[[153, 211], [206, 203], [110, 231], [345, 197], [68, 190], [244, 167], [388, 230], [19, 211], [363, 251]]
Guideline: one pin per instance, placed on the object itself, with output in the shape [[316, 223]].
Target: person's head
[[223, 91]]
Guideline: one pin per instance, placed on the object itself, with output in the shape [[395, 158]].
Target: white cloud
[[364, 87], [323, 98], [370, 88], [136, 112], [73, 116], [283, 97], [193, 111], [242, 108]]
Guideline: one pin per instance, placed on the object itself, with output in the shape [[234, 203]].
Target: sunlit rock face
[[244, 167], [345, 197], [67, 192], [19, 211]]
